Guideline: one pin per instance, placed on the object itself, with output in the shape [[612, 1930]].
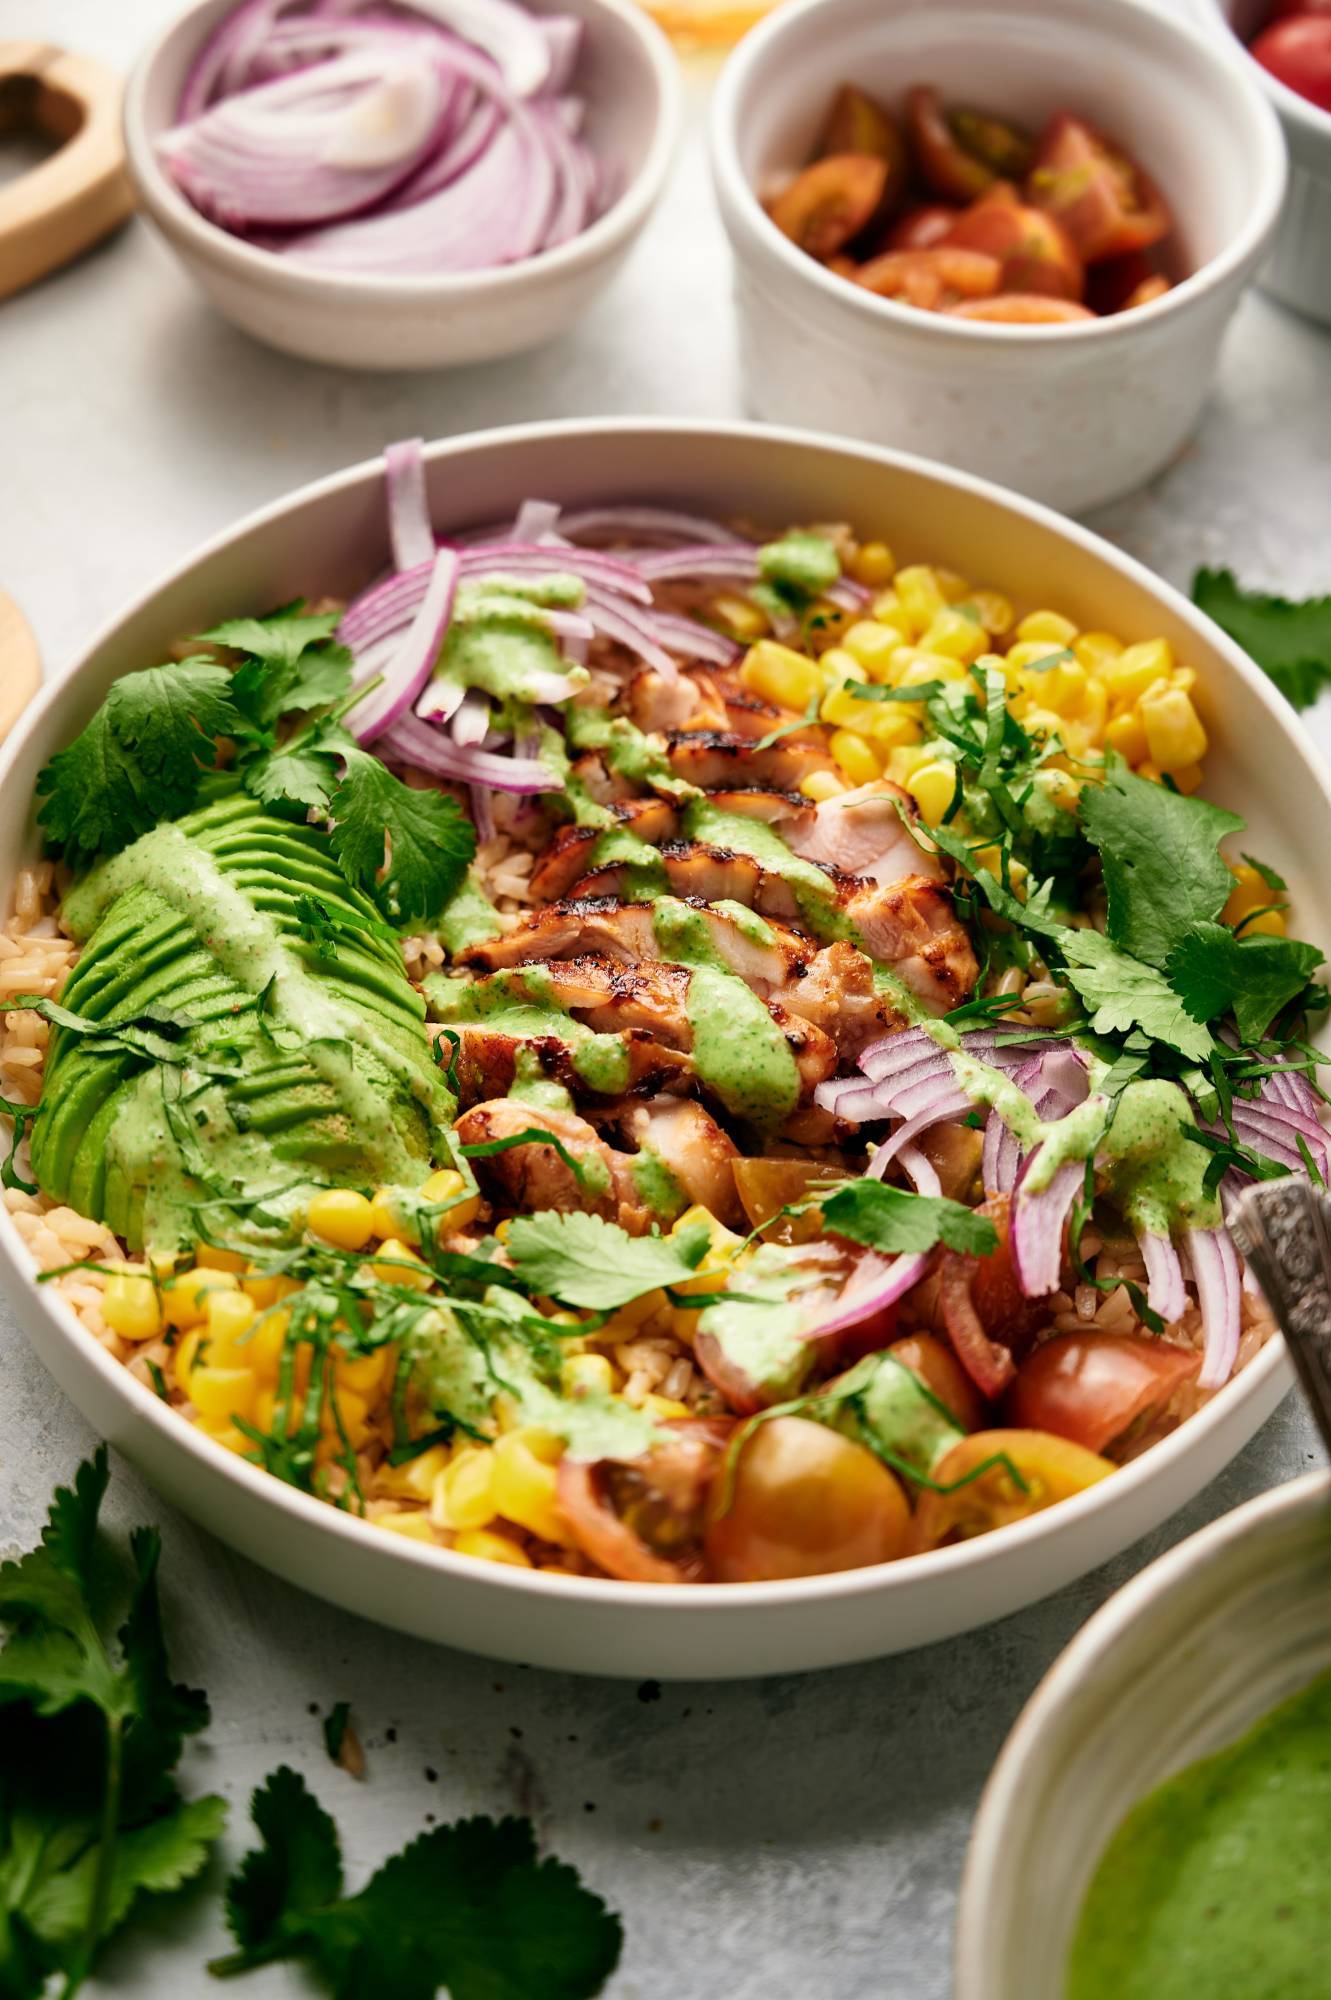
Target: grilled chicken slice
[[861, 833], [838, 995], [709, 874], [766, 957], [912, 927], [697, 1153], [653, 703], [566, 858], [488, 1062], [532, 1177], [715, 758], [787, 811]]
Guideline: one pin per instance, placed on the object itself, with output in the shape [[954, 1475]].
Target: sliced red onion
[[955, 1104], [537, 521], [1166, 1293], [1215, 1271], [1037, 1225], [693, 641], [921, 1170], [628, 627], [471, 720], [440, 701], [1000, 1158], [512, 37], [643, 524], [875, 1284], [410, 534], [414, 660], [482, 813], [411, 741]]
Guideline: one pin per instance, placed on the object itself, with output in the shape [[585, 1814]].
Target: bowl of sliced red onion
[[403, 187]]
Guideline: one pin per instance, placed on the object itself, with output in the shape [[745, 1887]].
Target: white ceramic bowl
[[1180, 1662], [630, 78], [1298, 271], [1073, 415], [332, 538]]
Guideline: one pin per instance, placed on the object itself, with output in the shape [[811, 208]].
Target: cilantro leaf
[[1289, 641], [586, 1262], [465, 1907], [1120, 993], [293, 665], [1254, 976], [1159, 852], [139, 760], [323, 927], [430, 841], [893, 1220]]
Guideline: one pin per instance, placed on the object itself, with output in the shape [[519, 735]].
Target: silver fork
[[1283, 1230]]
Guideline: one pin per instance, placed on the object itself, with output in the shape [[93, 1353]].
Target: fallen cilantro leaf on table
[[1255, 976], [1160, 856], [467, 1908], [91, 1730], [893, 1220], [1289, 640], [586, 1262]]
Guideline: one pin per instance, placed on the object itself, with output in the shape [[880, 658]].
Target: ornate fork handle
[[1283, 1230]]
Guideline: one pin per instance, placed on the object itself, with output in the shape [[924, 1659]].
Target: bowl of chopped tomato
[[1010, 236]]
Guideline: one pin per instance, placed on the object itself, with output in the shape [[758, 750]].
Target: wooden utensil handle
[[20, 664], [81, 193]]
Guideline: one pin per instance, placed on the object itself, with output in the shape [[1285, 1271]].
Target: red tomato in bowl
[[1035, 251], [1105, 202], [1290, 10], [1091, 1387], [922, 228], [1298, 54], [802, 1501]]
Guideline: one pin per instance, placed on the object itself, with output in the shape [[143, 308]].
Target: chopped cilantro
[[322, 927], [294, 663], [1274, 882], [1120, 993], [1215, 972], [893, 1220], [1160, 855], [430, 841], [468, 1907], [1289, 641], [584, 1261]]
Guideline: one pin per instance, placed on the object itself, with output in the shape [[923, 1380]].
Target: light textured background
[[762, 1842]]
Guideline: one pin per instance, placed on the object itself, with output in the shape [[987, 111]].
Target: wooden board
[[20, 664], [81, 193]]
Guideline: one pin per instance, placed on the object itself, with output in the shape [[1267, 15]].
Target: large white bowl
[[1073, 415], [1298, 271], [331, 537], [1178, 1663], [629, 76]]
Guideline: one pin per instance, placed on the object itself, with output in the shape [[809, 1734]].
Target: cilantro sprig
[[584, 1261], [895, 1221]]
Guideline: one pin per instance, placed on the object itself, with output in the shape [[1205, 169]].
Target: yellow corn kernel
[[1271, 923], [492, 1548], [227, 1436], [778, 674], [230, 1316], [953, 585], [920, 596], [889, 610], [523, 1483], [872, 565], [1174, 733], [639, 1310], [464, 1202], [589, 1375], [955, 636], [131, 1307], [397, 1264], [1151, 772], [826, 622], [839, 664], [905, 760], [461, 1497], [1061, 688], [344, 1414], [342, 1217], [184, 1299], [1030, 652], [385, 1216], [932, 787], [1048, 625], [871, 645], [1042, 722], [897, 724], [1138, 668], [820, 785], [1250, 892], [364, 1375], [1126, 735], [856, 756], [1096, 650], [995, 611], [923, 667], [744, 619], [265, 1411], [264, 1345], [1060, 786], [666, 1409], [1185, 678], [990, 858], [414, 1480], [209, 1257], [1095, 709], [266, 1292], [222, 1393], [416, 1527], [1189, 778]]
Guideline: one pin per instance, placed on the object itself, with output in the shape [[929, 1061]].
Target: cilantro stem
[[106, 1850]]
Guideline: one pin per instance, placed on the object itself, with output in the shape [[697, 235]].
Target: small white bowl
[[1298, 272], [1177, 1664], [330, 539], [1074, 415], [629, 76]]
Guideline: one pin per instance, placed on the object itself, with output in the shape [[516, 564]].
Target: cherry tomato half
[[931, 278], [642, 1519], [1291, 10], [1049, 1469], [1022, 309], [831, 202], [922, 228], [803, 1500], [1034, 250], [947, 168], [1091, 1387], [856, 123], [1298, 54], [986, 1315], [943, 1375], [1102, 198]]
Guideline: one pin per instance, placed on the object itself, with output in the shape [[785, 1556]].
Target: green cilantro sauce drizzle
[[738, 1050], [497, 641]]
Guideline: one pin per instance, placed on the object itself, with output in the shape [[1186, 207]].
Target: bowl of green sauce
[[1159, 1821]]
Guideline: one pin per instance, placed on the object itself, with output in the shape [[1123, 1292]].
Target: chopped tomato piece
[[801, 1501], [1024, 1472], [922, 228], [1146, 292], [831, 202], [985, 1312], [931, 278], [944, 163], [1103, 199], [1298, 54], [1091, 1387], [858, 124], [642, 1519], [765, 1187], [1035, 252], [1111, 283], [996, 142], [943, 1375], [1022, 309]]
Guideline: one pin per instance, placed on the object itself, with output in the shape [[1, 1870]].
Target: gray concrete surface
[[763, 1842]]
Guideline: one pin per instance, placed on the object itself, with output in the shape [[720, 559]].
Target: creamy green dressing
[[739, 1052], [768, 1344], [468, 917], [524, 1003], [814, 895], [656, 1186], [625, 751], [531, 1085], [643, 869], [1215, 1884], [807, 564], [497, 640]]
